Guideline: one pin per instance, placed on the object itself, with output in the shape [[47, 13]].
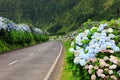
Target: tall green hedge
[[22, 38]]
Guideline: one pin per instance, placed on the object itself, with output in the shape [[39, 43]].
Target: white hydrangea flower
[[107, 39], [111, 36], [116, 49], [103, 47], [118, 72], [77, 47], [113, 66], [2, 25], [112, 41], [101, 42], [102, 26], [22, 27], [1, 19], [76, 60], [71, 49], [87, 31], [37, 30], [110, 30], [72, 44], [87, 48], [93, 41], [104, 31], [82, 54], [81, 35], [103, 34], [82, 62], [85, 38], [76, 53], [92, 55], [78, 40], [97, 49], [108, 44], [110, 72], [113, 45], [96, 35], [80, 43]]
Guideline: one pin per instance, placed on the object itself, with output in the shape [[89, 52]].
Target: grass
[[66, 73]]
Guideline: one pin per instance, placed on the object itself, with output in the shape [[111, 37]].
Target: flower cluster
[[103, 69], [37, 30], [9, 25], [93, 41], [95, 49], [6, 24], [22, 27]]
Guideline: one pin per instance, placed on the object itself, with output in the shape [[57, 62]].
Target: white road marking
[[31, 54], [54, 64], [13, 62], [39, 50]]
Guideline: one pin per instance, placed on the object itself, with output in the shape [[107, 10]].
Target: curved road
[[31, 63]]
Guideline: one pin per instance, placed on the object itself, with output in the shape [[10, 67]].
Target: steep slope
[[59, 16]]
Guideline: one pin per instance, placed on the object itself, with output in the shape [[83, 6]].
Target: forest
[[59, 16]]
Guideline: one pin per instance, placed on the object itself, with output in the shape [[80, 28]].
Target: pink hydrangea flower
[[103, 63], [90, 66], [102, 75], [86, 67], [90, 71], [101, 60], [113, 59], [93, 60], [96, 67], [99, 72], [93, 77]]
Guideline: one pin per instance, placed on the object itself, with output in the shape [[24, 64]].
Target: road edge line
[[54, 64]]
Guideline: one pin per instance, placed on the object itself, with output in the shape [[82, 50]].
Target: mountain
[[59, 16]]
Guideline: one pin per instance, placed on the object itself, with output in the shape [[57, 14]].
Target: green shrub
[[3, 34], [3, 46], [40, 38]]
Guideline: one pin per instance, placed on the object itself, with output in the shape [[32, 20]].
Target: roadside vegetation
[[68, 62], [13, 36], [102, 66]]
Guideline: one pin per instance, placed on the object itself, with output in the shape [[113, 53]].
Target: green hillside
[[59, 16]]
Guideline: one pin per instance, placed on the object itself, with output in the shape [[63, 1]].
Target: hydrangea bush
[[97, 52], [9, 26], [14, 36]]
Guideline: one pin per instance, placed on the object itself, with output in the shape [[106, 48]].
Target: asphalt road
[[31, 63]]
